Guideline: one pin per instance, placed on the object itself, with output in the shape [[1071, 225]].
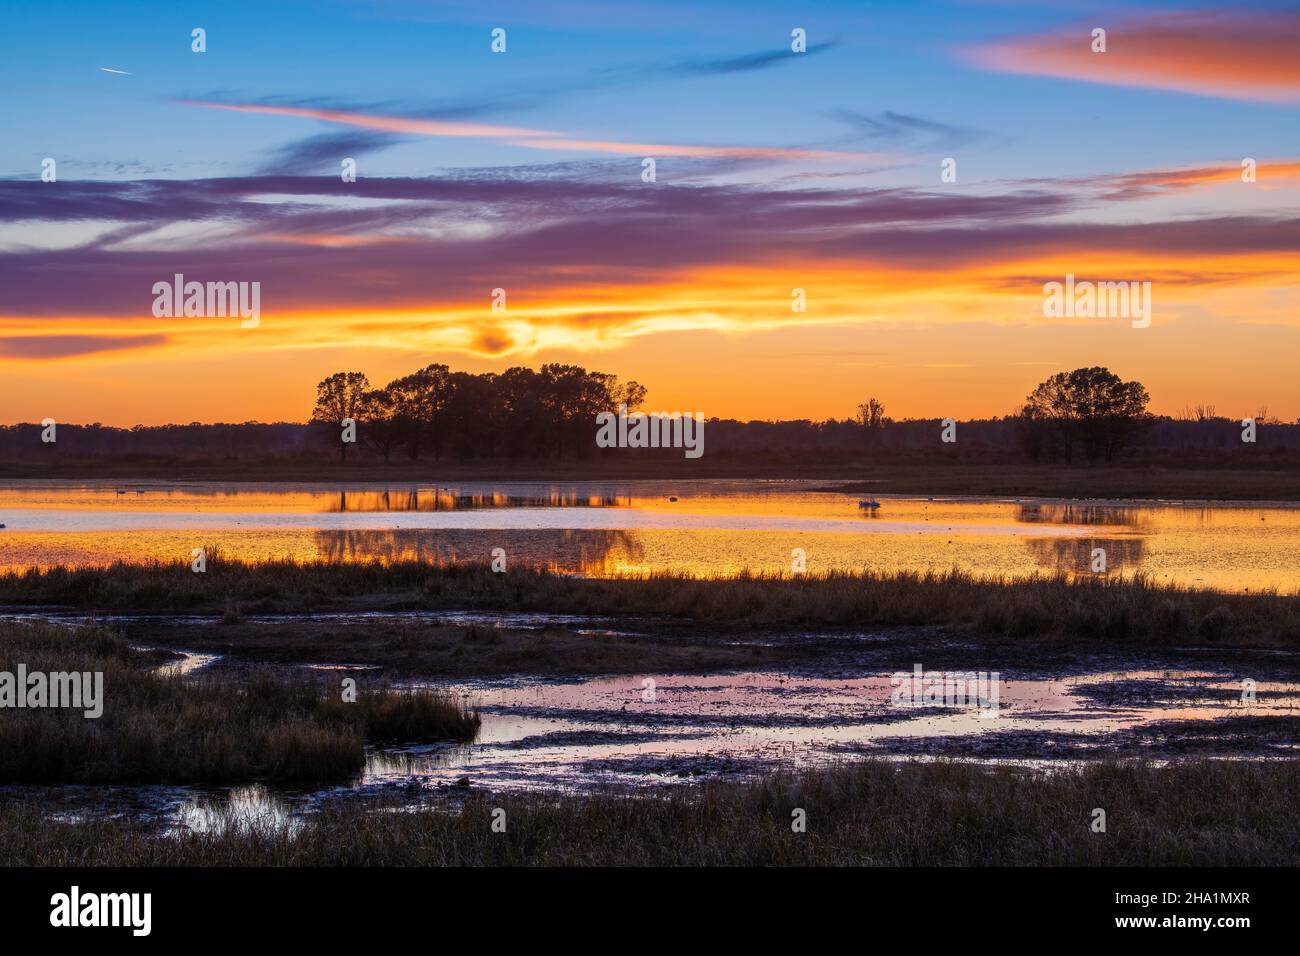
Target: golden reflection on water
[[711, 528]]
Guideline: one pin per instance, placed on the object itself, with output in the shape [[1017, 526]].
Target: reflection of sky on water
[[593, 732], [585, 734], [251, 809], [611, 528]]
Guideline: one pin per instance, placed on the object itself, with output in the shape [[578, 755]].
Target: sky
[[775, 169]]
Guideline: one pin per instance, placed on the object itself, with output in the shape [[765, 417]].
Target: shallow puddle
[[626, 733], [637, 731]]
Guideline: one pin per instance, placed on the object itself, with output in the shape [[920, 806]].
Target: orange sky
[[964, 343]]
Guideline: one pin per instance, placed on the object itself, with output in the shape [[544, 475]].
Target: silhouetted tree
[[381, 426], [469, 415], [871, 416], [422, 399], [632, 395], [1090, 406], [523, 417], [339, 397], [573, 397]]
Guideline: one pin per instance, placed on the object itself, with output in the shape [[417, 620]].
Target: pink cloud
[[1234, 54], [529, 138]]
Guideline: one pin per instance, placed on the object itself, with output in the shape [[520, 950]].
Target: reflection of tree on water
[[566, 550], [1112, 515], [429, 499], [1074, 555]]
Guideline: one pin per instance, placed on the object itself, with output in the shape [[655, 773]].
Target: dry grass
[[1084, 611], [430, 648], [875, 813], [172, 730]]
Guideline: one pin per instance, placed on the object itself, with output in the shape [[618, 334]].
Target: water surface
[[609, 528]]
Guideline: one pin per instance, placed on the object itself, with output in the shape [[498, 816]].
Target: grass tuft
[[158, 729]]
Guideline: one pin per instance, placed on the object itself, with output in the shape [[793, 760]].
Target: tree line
[[518, 413], [437, 414], [1094, 414]]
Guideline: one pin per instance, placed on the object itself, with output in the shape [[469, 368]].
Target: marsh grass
[[873, 813], [1086, 610], [387, 715], [158, 729]]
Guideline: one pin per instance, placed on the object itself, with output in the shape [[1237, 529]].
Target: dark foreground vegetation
[[1096, 611], [158, 729], [402, 647], [875, 813]]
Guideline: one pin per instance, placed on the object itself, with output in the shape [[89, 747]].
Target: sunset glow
[[924, 292]]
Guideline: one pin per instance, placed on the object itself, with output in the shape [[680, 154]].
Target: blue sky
[[427, 57]]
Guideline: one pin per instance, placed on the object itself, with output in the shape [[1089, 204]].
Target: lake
[[702, 527]]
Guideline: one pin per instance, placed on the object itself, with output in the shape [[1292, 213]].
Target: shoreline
[[1168, 479], [847, 487]]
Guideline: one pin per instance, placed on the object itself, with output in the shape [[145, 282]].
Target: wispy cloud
[[528, 138], [389, 124], [411, 246], [1238, 54], [67, 346], [899, 128], [450, 117], [1157, 181], [313, 152], [701, 66]]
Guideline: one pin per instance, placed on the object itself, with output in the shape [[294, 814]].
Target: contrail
[[111, 70]]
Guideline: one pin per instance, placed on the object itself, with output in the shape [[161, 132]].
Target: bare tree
[[871, 416]]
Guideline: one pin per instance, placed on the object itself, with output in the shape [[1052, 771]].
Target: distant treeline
[[910, 438], [436, 414]]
